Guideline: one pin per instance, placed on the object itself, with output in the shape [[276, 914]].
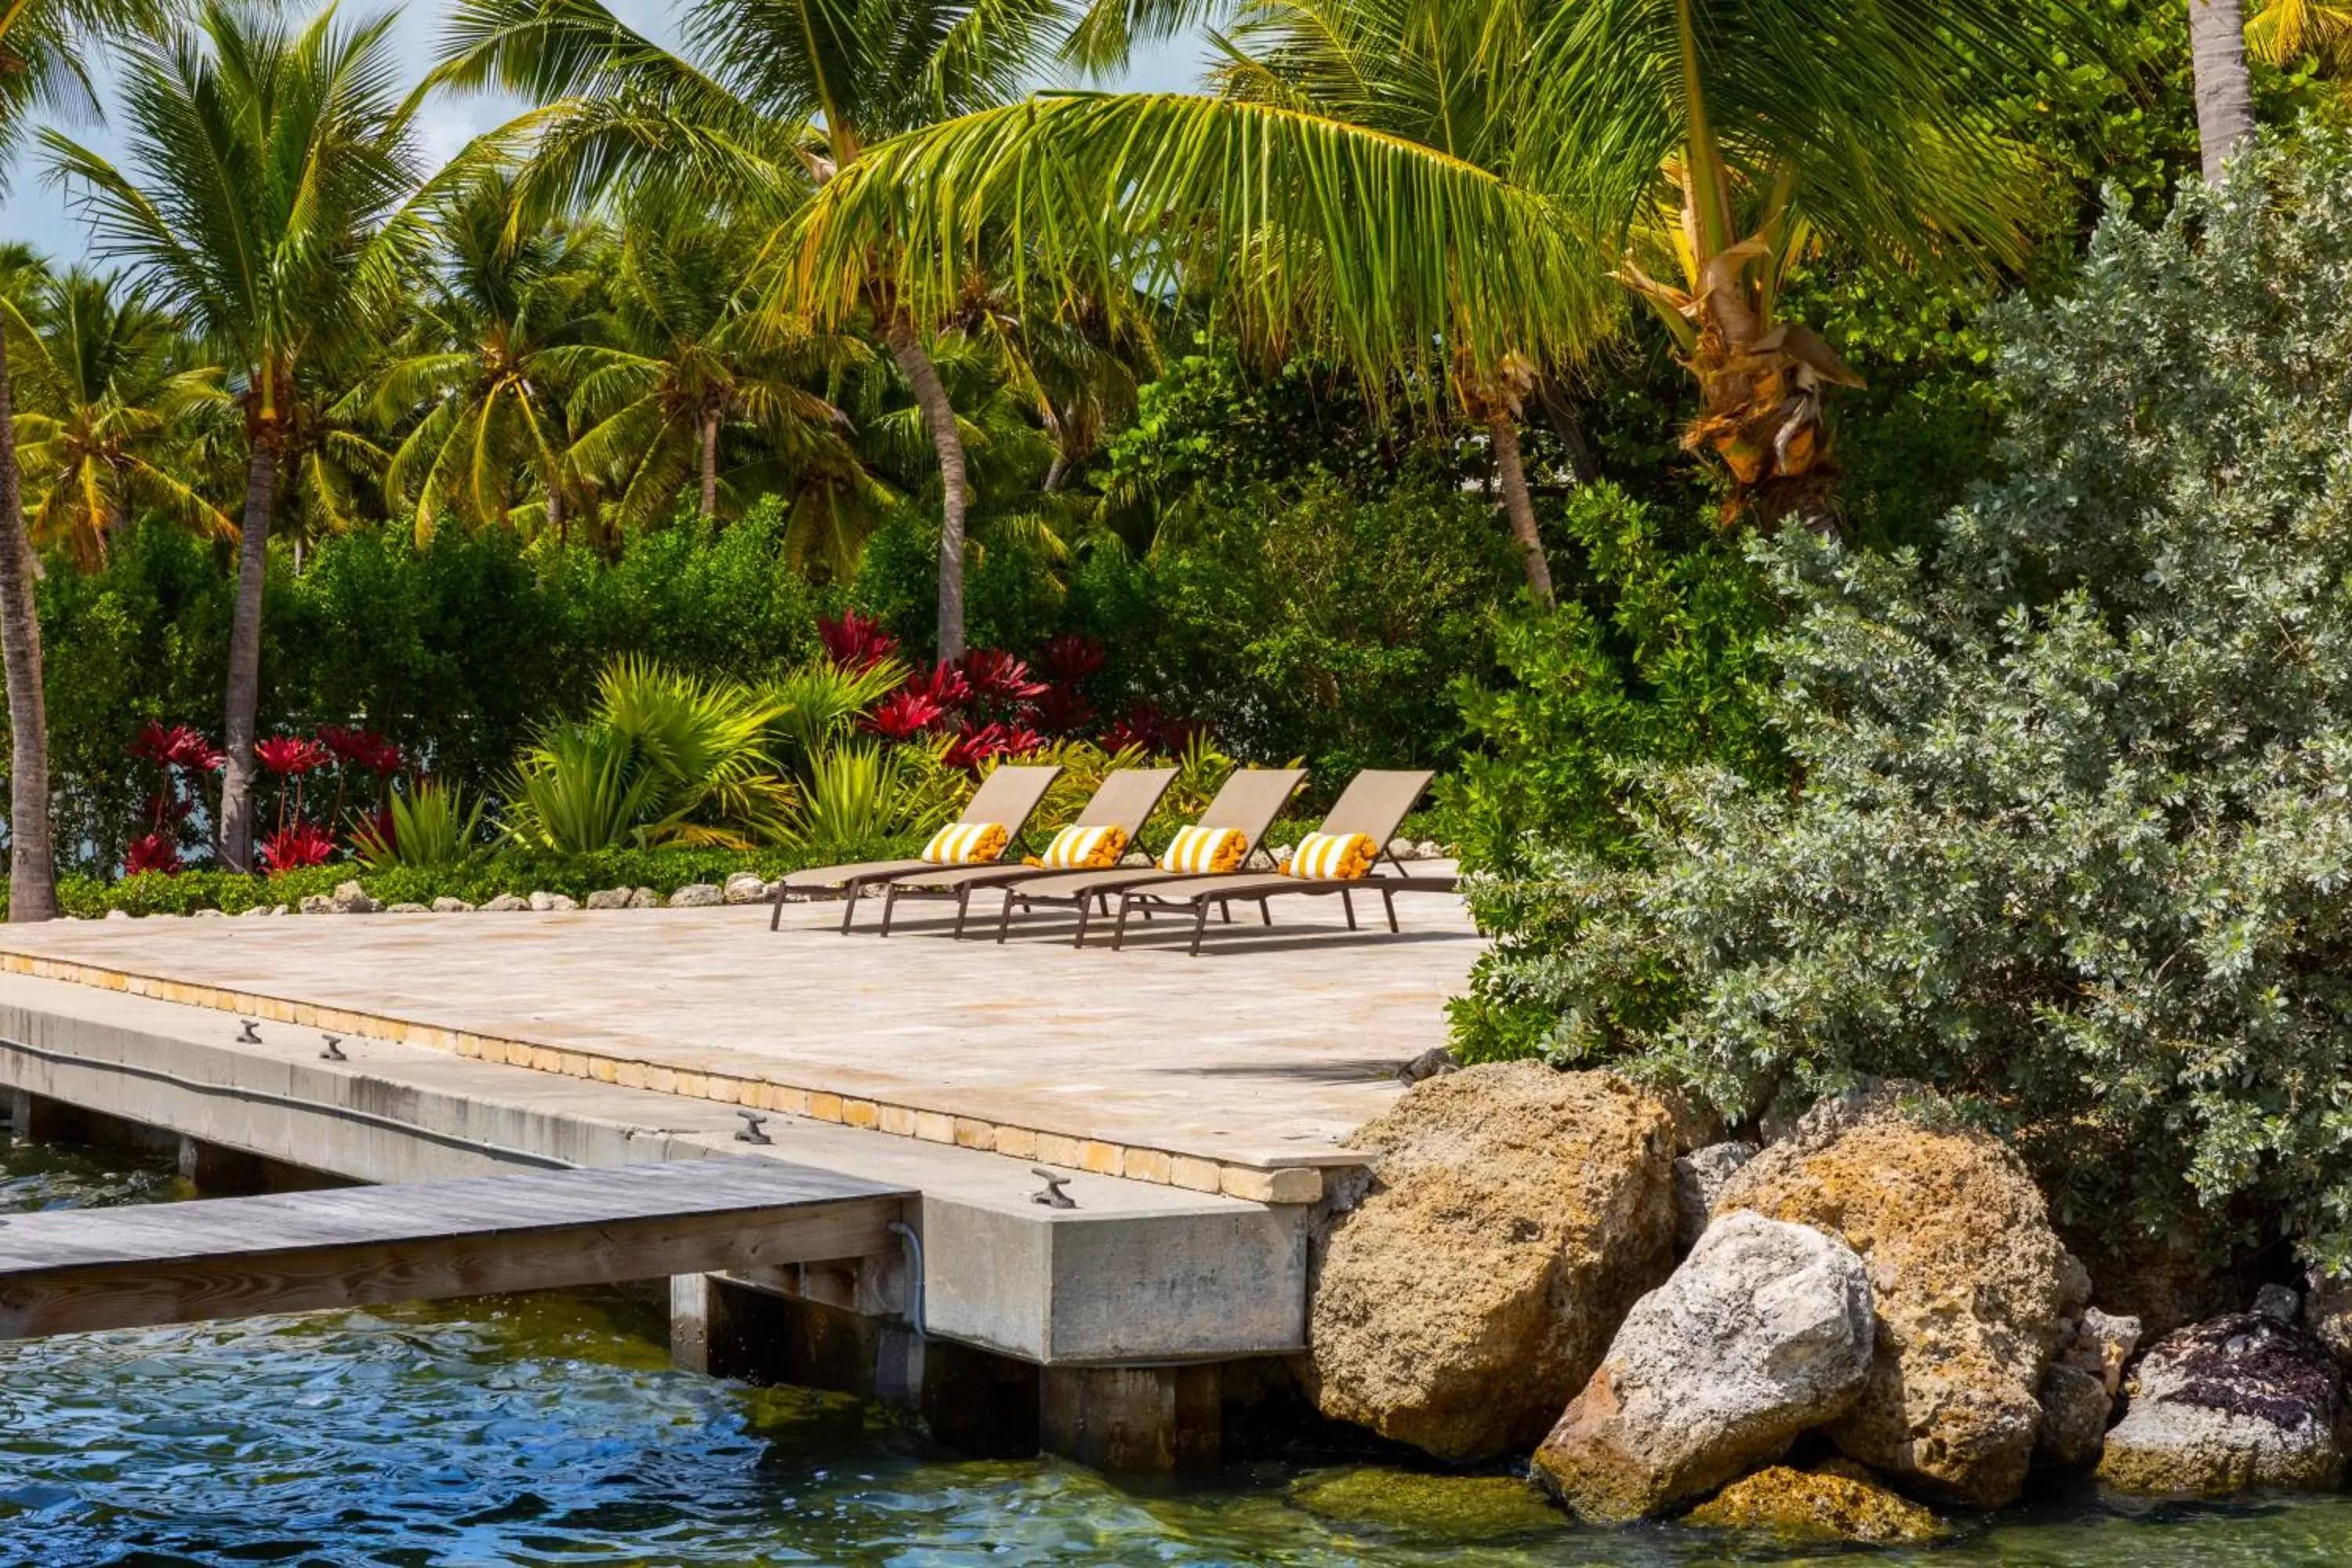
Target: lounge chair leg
[[889, 906], [1265, 911], [1085, 914], [849, 904], [1199, 924], [963, 910], [1119, 931], [776, 910], [1388, 897], [1226, 908], [1004, 917], [1348, 902]]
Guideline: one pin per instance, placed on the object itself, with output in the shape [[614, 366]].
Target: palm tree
[[692, 357], [109, 387], [780, 96], [46, 43], [2225, 94], [1716, 142], [475, 385], [274, 206]]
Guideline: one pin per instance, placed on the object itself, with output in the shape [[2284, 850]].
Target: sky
[[36, 213]]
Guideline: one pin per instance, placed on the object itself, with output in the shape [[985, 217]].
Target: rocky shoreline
[[1866, 1320]]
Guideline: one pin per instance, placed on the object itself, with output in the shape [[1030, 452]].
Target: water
[[545, 1431]]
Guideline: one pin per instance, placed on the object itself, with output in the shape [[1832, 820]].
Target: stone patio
[[1237, 1071]]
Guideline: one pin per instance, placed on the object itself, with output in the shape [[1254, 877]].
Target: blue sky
[[35, 212]]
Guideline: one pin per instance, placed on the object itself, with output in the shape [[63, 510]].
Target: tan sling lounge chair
[[1008, 796], [1374, 804], [1249, 802], [1125, 800]]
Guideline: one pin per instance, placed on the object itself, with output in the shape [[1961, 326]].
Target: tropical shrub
[[429, 823], [2073, 818]]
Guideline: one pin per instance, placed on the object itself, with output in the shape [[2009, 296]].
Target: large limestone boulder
[[1971, 1286], [1511, 1216], [1764, 1332], [2233, 1403]]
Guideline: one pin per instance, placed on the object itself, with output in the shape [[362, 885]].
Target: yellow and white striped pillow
[[1196, 850], [1084, 850], [1332, 857], [967, 843]]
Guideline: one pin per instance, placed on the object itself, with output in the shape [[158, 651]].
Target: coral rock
[[1970, 1281], [2238, 1402], [744, 888], [610, 899], [1699, 1178], [2076, 1405], [506, 903], [446, 905], [1513, 1215], [696, 895], [1811, 1506], [1764, 1332]]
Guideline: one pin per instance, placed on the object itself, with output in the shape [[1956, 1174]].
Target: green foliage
[[855, 793], [431, 825], [1651, 660], [2072, 832], [457, 648]]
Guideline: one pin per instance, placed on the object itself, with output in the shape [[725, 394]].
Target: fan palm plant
[[108, 386], [1434, 194], [778, 98], [46, 45], [273, 202]]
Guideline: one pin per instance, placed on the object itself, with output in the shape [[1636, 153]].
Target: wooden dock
[[71, 1272]]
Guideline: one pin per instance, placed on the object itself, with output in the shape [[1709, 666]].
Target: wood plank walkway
[[69, 1271]]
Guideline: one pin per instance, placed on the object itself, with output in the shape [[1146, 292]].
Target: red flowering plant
[[907, 714], [1071, 660], [183, 758], [855, 641], [295, 845], [365, 765]]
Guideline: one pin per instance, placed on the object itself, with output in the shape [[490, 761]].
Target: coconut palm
[[2225, 94], [778, 97], [106, 390], [692, 357], [273, 203], [46, 45], [473, 384], [1707, 143]]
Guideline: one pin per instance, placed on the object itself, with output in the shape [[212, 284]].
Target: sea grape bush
[[2071, 836]]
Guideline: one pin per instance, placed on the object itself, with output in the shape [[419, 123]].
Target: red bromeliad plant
[[158, 851], [1071, 656], [362, 749], [290, 756], [907, 714]]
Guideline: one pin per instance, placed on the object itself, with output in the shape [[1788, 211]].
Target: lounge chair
[[1374, 804], [1009, 796], [1249, 802], [1125, 800]]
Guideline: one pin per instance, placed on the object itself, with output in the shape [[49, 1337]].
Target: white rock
[[257, 913], [553, 903], [211, 914], [745, 888], [117, 914], [351, 899], [407, 908], [1404, 849], [2229, 1403], [448, 906], [1763, 1333], [610, 899], [645, 899], [1431, 850], [505, 904], [318, 904], [696, 895]]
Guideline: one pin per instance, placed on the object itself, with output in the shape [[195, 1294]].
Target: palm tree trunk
[[939, 415], [32, 859], [236, 838], [555, 519], [711, 463], [1560, 412], [1513, 474], [2225, 102]]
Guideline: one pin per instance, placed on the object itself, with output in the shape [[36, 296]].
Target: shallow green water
[[548, 1430]]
